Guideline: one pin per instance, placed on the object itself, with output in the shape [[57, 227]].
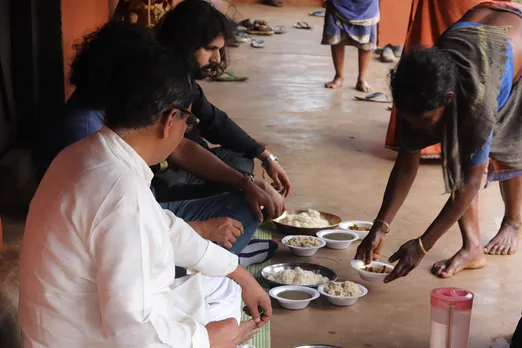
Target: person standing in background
[[352, 23]]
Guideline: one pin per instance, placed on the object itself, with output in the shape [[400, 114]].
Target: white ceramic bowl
[[342, 301], [348, 225], [372, 277], [293, 304], [338, 244], [303, 251]]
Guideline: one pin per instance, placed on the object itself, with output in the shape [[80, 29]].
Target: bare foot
[[363, 86], [463, 259], [335, 83], [507, 240], [247, 330]]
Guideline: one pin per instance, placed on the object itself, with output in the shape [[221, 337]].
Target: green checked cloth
[[262, 339]]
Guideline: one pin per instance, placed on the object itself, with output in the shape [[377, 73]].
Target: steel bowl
[[333, 222], [324, 271]]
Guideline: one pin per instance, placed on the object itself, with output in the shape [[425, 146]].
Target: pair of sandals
[[259, 27]]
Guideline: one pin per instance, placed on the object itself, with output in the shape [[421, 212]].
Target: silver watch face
[[269, 160]]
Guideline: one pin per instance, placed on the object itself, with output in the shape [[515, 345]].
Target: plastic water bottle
[[450, 317]]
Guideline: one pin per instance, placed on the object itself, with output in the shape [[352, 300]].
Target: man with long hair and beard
[[196, 32]]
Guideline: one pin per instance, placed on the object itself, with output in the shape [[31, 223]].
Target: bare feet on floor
[[507, 240], [335, 83], [463, 259], [363, 86], [247, 330]]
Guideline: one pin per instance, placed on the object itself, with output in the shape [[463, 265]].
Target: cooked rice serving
[[346, 289], [297, 276], [307, 219], [304, 242]]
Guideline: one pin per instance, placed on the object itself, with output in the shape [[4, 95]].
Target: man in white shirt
[[99, 253]]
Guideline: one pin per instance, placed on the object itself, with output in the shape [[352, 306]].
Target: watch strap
[[269, 159]]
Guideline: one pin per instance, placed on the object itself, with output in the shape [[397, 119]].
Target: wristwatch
[[266, 162]]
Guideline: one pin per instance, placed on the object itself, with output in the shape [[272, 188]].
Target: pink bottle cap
[[460, 299]]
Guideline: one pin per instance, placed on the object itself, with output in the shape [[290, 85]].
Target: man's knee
[[224, 300]]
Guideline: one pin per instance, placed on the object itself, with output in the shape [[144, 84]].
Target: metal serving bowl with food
[[362, 228], [294, 297], [375, 272], [304, 274], [342, 293], [338, 239], [303, 245], [305, 222]]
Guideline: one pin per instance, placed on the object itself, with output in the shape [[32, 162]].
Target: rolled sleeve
[[216, 262], [198, 254]]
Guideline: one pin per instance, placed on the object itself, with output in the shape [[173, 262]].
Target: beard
[[209, 70]]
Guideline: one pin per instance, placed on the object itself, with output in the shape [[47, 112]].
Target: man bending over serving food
[[99, 253], [448, 94], [227, 218]]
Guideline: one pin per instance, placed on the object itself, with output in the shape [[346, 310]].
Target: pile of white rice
[[307, 219], [297, 276]]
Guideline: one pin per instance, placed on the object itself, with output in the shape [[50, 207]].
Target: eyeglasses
[[191, 120]]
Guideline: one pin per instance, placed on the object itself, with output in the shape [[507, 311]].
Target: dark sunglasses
[[191, 120]]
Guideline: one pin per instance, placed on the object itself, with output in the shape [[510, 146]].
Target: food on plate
[[377, 269], [346, 289], [304, 242], [297, 276], [295, 295], [307, 219], [338, 236], [356, 227]]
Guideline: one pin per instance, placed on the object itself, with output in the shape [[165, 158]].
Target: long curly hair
[[191, 25], [100, 52]]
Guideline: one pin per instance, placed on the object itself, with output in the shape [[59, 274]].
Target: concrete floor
[[332, 147]]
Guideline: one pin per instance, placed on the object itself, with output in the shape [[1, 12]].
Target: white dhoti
[[208, 299]]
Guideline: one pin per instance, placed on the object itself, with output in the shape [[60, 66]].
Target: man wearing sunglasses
[[99, 252], [227, 218]]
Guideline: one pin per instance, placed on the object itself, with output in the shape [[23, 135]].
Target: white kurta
[[98, 257]]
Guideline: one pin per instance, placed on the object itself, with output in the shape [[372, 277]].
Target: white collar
[[127, 154]]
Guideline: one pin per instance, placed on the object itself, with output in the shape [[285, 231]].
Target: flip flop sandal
[[263, 33], [242, 37], [387, 55], [302, 25], [262, 26], [319, 13], [397, 51], [229, 77], [280, 29], [260, 22], [372, 97], [258, 43]]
